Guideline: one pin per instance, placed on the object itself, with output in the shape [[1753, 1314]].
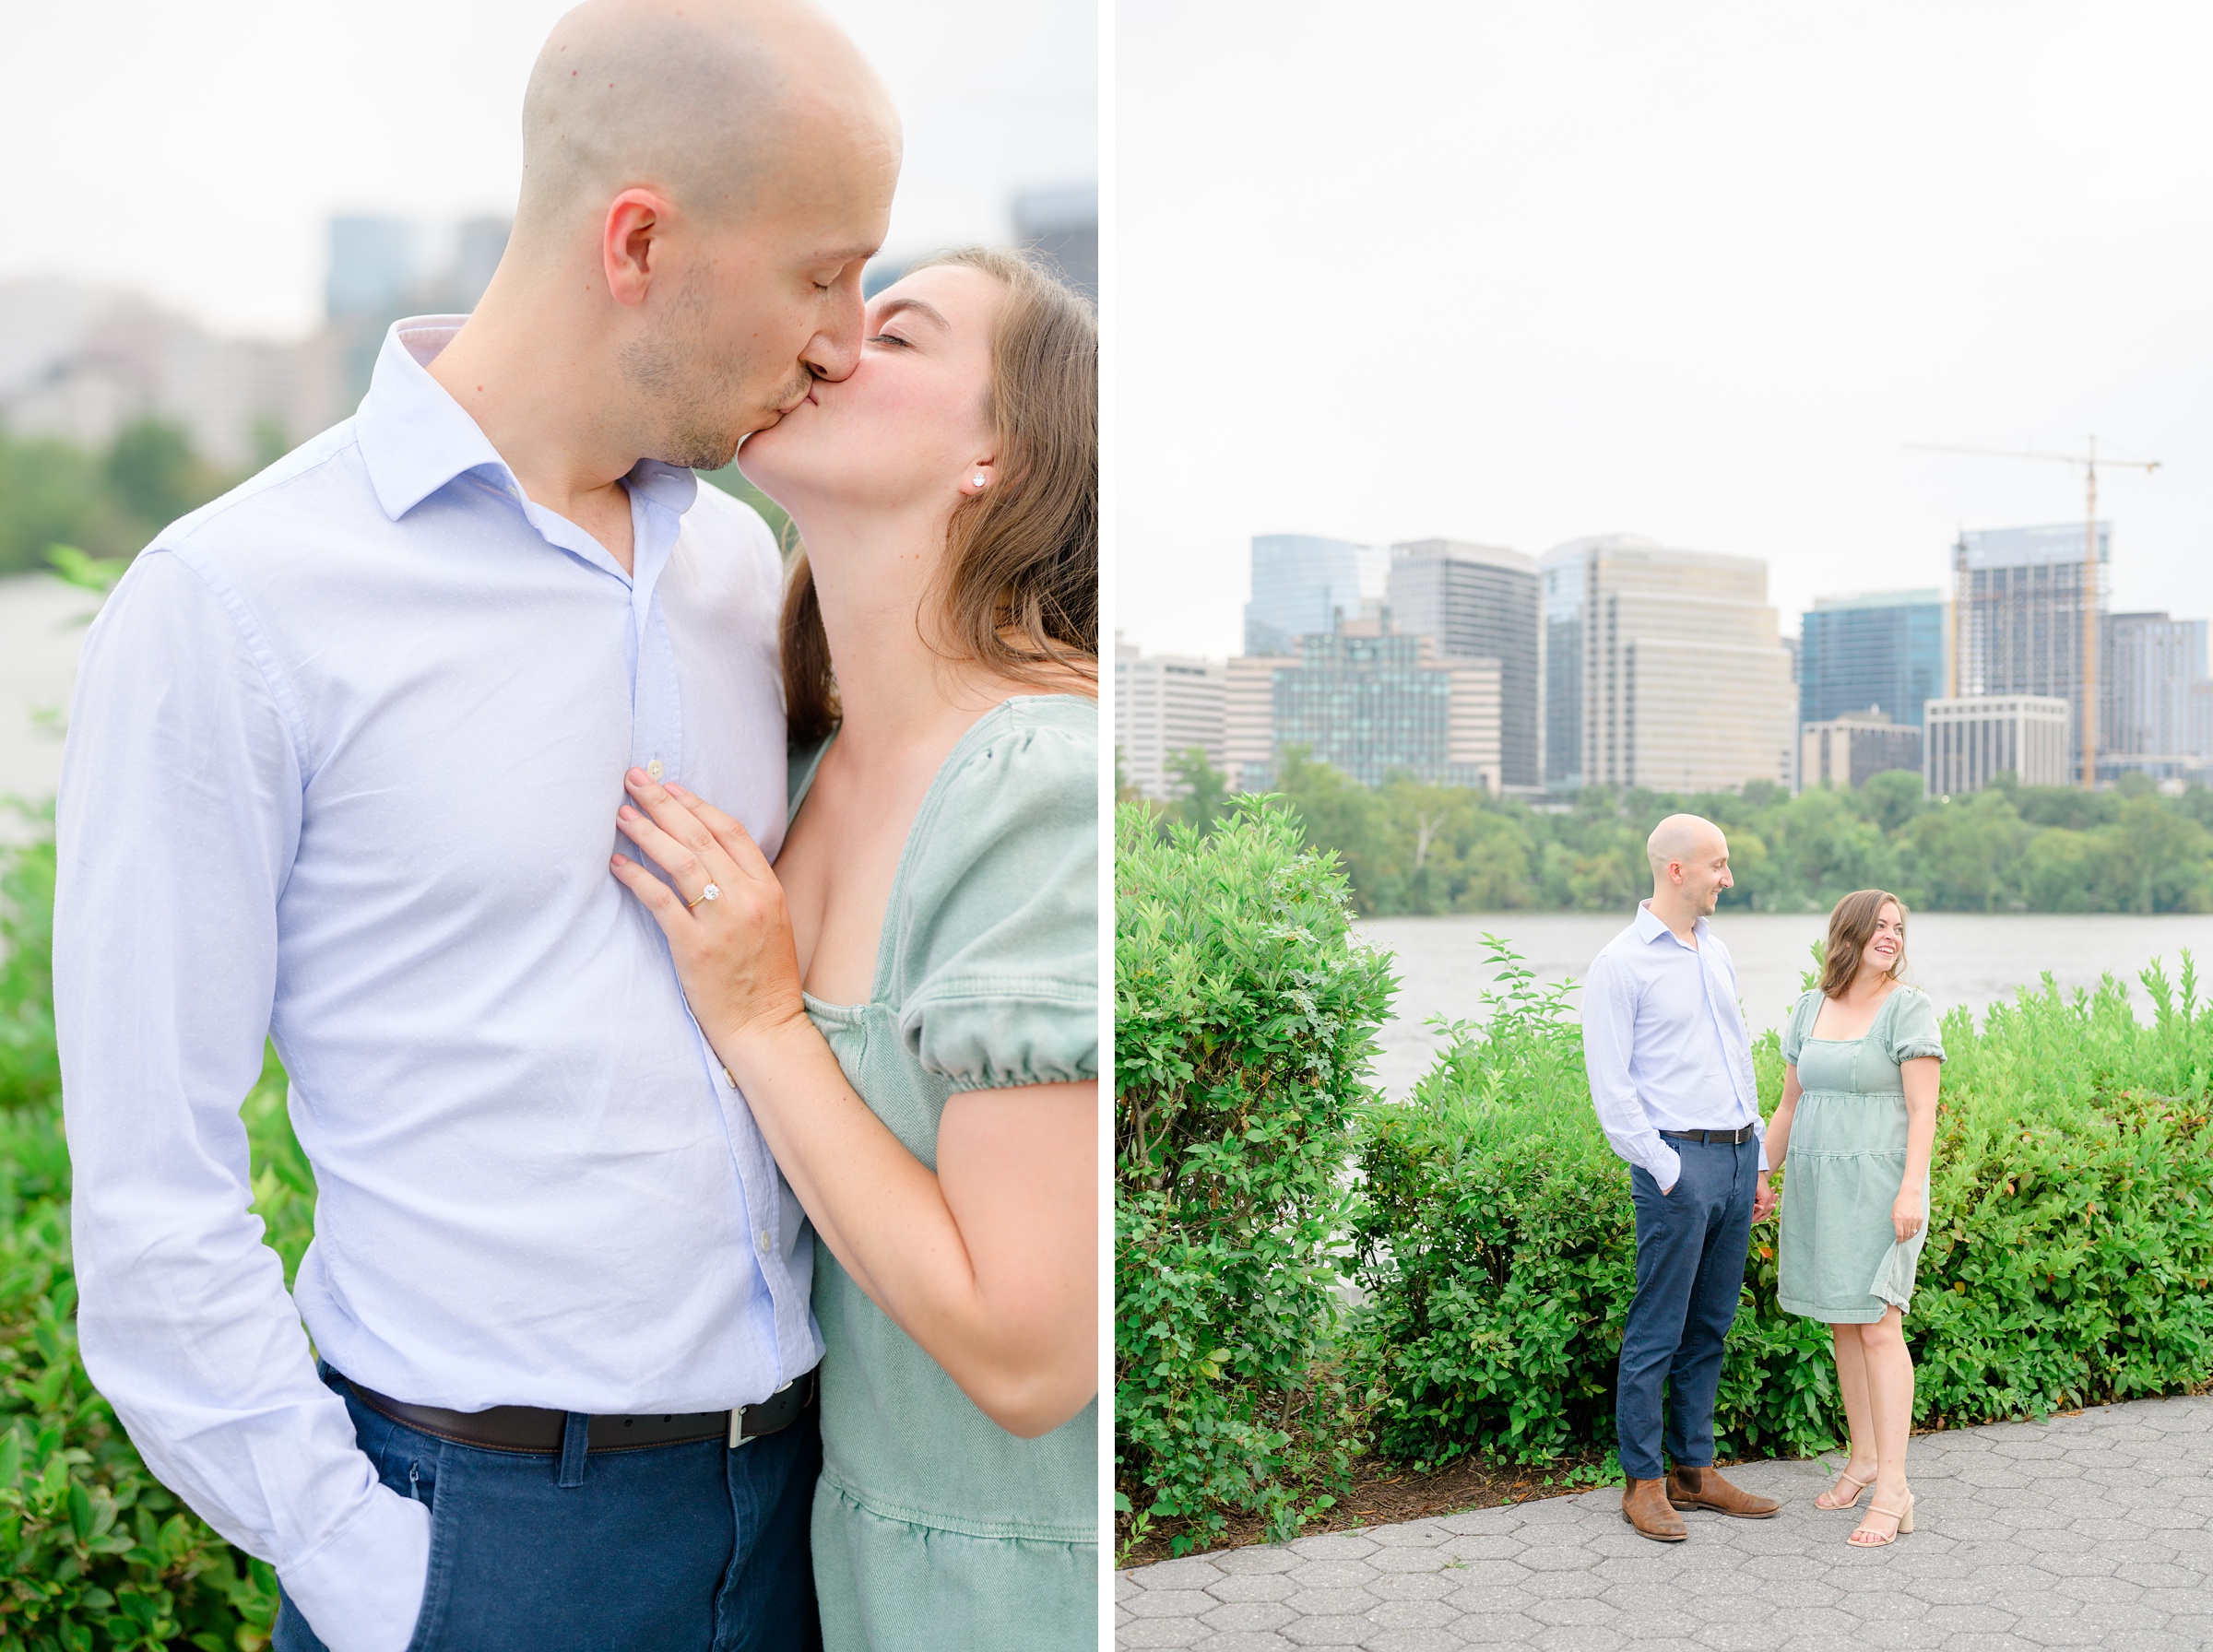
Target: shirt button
[[652, 769], [767, 1244]]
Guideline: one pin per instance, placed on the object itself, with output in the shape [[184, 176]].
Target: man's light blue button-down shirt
[[343, 766], [1664, 1043]]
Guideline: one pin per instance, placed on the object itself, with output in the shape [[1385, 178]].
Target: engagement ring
[[709, 894]]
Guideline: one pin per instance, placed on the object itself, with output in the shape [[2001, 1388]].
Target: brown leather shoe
[[1652, 1515], [1704, 1488]]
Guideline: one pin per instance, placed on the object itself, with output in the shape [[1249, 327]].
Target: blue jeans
[[693, 1548], [1690, 1270]]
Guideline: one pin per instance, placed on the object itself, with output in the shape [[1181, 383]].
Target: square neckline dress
[[935, 1530], [1838, 1259]]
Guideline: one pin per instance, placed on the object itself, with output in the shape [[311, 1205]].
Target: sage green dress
[[1838, 1259], [935, 1530]]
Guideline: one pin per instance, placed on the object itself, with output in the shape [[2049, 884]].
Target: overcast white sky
[[1520, 273], [193, 150]]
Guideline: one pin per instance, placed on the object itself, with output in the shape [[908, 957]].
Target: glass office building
[[1478, 602], [1372, 706], [1304, 585], [2022, 594], [1883, 651], [1560, 576]]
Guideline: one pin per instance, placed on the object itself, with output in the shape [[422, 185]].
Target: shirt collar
[[1650, 929], [415, 438]]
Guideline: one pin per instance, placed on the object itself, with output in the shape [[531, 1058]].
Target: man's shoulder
[[321, 480], [1627, 943]]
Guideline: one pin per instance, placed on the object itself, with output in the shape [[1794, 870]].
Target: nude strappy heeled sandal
[[1903, 1516], [1828, 1498]]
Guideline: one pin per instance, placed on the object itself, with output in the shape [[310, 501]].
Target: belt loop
[[575, 1438]]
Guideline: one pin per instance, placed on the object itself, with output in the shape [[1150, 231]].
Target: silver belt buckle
[[738, 1434]]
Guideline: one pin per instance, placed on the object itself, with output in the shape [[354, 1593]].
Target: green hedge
[[2070, 1259], [94, 1552], [1244, 1020]]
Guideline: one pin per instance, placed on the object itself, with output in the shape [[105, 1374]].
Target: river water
[[1956, 958], [41, 630]]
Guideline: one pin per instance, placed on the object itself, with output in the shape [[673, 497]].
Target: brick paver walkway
[[2089, 1531]]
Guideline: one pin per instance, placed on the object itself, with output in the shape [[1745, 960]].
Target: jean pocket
[[429, 1619]]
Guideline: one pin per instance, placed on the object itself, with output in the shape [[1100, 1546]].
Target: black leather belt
[[533, 1429], [1731, 1138]]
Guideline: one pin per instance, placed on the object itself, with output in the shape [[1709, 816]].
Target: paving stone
[[1415, 1586], [1327, 1631], [1425, 1639], [1250, 1615], [1251, 1586], [1169, 1603], [1334, 1545], [1483, 1545], [1191, 1572], [2093, 1530], [1579, 1637], [1331, 1602], [1414, 1534]]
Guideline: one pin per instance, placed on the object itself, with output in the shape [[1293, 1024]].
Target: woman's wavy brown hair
[[1850, 927], [1020, 584]]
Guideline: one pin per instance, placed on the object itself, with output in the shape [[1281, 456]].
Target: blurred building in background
[[1560, 574], [1062, 226], [1480, 602], [1248, 719], [1846, 752], [383, 268], [80, 362], [1165, 705], [2021, 597], [1686, 684], [1886, 649], [2151, 680], [1969, 742], [1305, 585], [1371, 704]]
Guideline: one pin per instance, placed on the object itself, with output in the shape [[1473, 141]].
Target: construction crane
[[2090, 460]]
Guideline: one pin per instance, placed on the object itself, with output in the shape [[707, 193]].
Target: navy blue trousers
[[690, 1548], [1690, 1270]]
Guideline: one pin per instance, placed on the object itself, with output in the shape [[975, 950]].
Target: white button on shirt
[[343, 767], [1664, 1043]]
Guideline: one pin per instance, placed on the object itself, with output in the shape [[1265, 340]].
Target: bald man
[[343, 763], [1670, 1065]]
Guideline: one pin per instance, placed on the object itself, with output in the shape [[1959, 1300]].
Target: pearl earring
[[980, 479]]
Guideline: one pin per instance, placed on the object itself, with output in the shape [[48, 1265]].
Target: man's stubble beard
[[695, 401]]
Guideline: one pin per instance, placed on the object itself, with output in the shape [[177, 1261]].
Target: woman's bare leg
[[1889, 1379], [1859, 1419]]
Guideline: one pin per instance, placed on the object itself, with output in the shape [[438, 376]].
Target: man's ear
[[631, 245]]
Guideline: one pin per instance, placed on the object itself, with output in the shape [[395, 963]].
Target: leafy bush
[[95, 1553], [1244, 1020], [2068, 1262]]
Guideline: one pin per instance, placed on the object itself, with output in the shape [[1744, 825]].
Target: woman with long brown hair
[[909, 1000], [1854, 1132]]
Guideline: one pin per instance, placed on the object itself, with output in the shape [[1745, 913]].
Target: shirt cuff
[[363, 1590]]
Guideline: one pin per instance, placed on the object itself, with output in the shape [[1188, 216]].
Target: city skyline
[[1701, 275], [218, 146]]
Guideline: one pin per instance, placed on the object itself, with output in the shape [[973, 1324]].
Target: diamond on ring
[[710, 894]]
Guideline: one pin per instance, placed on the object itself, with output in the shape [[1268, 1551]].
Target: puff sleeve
[[998, 935], [1800, 1024], [1913, 1027]]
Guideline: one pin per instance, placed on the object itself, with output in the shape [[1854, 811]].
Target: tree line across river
[[1411, 847]]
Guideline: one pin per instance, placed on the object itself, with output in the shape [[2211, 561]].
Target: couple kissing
[[685, 965]]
